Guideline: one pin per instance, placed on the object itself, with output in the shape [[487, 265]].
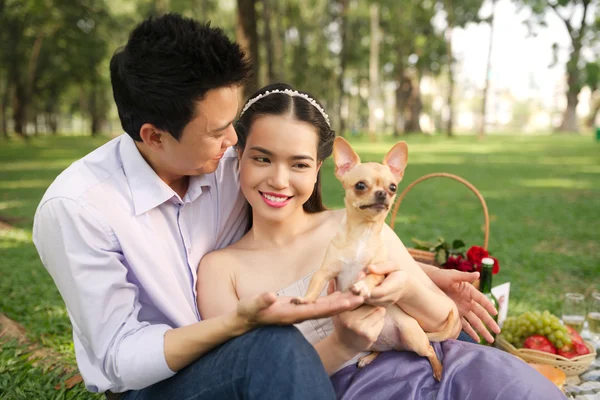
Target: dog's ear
[[396, 159], [343, 156]]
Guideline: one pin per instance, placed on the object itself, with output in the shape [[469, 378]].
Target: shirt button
[[189, 251]]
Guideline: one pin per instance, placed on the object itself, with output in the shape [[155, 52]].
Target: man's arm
[[79, 251], [88, 268], [475, 309]]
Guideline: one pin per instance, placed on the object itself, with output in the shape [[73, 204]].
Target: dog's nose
[[380, 195]]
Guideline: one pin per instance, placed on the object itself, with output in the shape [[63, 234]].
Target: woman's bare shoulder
[[222, 261], [335, 216]]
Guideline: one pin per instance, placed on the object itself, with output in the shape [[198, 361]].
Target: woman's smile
[[275, 199]]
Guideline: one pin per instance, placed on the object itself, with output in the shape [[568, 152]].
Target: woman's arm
[[218, 300], [215, 287], [410, 286], [355, 331]]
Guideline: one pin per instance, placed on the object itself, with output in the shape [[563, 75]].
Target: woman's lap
[[471, 371]]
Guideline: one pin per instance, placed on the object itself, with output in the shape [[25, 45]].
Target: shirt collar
[[147, 189]]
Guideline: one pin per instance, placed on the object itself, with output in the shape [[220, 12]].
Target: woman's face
[[278, 167]]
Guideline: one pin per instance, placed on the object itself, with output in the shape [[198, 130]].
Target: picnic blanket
[[589, 386]]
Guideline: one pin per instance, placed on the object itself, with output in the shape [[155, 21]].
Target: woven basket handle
[[456, 178]]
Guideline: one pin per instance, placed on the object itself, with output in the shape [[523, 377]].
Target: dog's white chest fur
[[355, 258]]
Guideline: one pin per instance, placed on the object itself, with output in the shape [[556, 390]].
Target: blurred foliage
[[54, 73]]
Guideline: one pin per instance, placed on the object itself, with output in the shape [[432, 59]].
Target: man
[[122, 232]]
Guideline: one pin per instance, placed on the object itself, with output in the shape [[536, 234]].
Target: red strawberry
[[539, 342]]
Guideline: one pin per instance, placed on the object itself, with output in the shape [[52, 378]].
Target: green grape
[[559, 344], [552, 337], [539, 325], [547, 330], [559, 334]]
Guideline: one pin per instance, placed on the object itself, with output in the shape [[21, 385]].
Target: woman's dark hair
[[300, 109], [167, 65]]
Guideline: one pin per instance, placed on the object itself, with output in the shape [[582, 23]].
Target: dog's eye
[[393, 187], [360, 186]]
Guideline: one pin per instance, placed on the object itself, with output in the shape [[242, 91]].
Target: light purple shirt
[[123, 248]]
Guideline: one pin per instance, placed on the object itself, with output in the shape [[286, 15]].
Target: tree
[[247, 37], [415, 50], [458, 14], [488, 68], [342, 17], [374, 70], [592, 80], [583, 31], [62, 50]]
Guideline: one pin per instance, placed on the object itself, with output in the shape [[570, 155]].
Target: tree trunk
[[415, 106], [53, 123], [268, 40], [4, 107], [374, 71], [278, 41], [247, 37], [594, 109], [569, 122], [450, 98], [24, 88], [343, 18], [488, 68], [20, 110]]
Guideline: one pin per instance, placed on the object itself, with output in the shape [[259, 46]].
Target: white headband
[[291, 93]]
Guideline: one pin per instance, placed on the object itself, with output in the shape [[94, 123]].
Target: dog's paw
[[299, 300], [360, 289], [366, 360]]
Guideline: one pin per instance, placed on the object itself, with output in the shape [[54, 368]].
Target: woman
[[284, 136]]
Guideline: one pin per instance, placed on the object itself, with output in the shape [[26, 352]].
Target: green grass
[[543, 194]]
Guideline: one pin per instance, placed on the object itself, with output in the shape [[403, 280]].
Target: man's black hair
[[167, 65]]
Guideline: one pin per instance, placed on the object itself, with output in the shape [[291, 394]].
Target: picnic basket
[[570, 366], [428, 257]]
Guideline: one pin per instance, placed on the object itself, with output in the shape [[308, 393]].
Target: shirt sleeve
[[235, 212], [82, 255]]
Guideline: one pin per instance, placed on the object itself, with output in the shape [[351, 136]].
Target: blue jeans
[[273, 362], [465, 338]]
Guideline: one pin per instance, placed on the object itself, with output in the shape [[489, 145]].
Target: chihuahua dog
[[370, 192]]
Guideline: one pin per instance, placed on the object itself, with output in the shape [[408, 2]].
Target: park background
[[504, 93]]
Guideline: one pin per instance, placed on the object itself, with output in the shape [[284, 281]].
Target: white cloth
[[315, 330], [123, 248]]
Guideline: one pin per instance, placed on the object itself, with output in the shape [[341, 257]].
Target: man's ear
[[396, 160], [344, 157], [152, 137]]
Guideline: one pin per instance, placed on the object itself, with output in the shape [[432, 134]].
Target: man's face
[[206, 137]]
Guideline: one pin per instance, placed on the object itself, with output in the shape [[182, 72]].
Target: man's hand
[[474, 308], [268, 309]]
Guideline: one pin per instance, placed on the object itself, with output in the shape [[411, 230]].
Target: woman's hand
[[474, 308], [268, 309], [356, 330], [392, 288]]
